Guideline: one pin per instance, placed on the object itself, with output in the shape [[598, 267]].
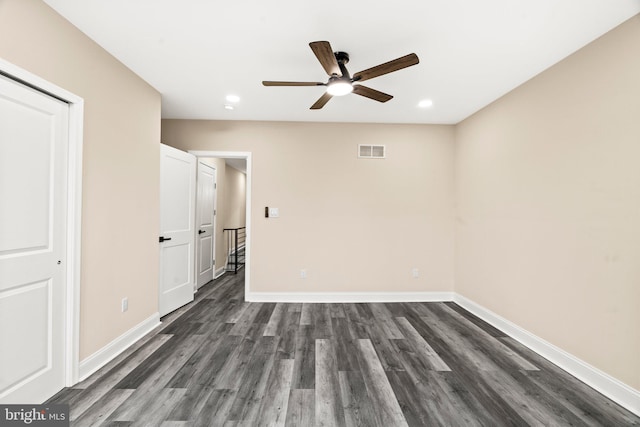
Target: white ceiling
[[195, 52]]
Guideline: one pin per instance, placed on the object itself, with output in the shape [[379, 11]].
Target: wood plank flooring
[[221, 361]]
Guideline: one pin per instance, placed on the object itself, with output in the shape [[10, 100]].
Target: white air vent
[[371, 151]]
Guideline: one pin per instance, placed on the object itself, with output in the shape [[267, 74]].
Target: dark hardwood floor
[[223, 362]]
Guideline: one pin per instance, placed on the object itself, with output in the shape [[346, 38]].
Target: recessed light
[[233, 98], [425, 103], [228, 107]]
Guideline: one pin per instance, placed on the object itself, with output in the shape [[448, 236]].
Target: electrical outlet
[[303, 274], [414, 273], [125, 304]]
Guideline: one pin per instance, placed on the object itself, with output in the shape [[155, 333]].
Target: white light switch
[[274, 212]]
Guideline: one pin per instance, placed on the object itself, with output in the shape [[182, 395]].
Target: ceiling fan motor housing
[[343, 59]]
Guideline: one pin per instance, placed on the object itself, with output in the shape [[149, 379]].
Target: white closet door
[[33, 189]]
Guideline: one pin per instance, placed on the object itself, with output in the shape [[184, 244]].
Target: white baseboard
[[110, 351], [602, 382], [341, 297], [219, 272]]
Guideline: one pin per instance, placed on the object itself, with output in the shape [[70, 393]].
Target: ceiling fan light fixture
[[339, 88], [340, 81]]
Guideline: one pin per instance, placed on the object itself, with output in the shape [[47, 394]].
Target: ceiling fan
[[340, 82]]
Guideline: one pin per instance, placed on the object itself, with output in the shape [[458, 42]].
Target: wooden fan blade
[[322, 101], [325, 55], [371, 93], [386, 68], [268, 83]]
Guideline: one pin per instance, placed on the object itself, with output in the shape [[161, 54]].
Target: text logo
[[34, 415]]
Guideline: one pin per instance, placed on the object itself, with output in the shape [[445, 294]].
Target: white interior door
[[33, 188], [177, 220], [205, 224]]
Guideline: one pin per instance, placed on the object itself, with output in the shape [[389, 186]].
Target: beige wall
[[354, 225], [234, 204], [233, 207], [548, 195], [121, 169]]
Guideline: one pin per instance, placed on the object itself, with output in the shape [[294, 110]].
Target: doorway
[[231, 156]]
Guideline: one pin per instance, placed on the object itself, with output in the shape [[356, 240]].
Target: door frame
[[74, 211], [246, 155]]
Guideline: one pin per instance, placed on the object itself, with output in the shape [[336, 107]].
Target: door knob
[[162, 238], [201, 231]]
